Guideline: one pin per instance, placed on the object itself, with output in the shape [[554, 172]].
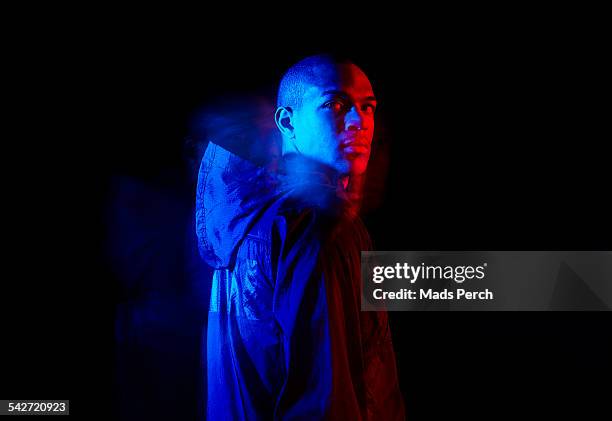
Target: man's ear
[[283, 116]]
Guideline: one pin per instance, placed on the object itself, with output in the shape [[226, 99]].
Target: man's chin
[[358, 165], [354, 164]]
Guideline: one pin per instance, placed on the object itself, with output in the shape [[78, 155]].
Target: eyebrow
[[343, 94]]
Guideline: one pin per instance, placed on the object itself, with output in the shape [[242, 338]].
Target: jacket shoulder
[[288, 211]]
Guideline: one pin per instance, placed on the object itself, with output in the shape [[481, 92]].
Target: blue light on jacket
[[282, 342]]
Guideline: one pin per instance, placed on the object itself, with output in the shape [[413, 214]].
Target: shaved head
[[313, 70]]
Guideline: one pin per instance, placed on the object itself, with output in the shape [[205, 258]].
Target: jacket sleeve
[[300, 308]]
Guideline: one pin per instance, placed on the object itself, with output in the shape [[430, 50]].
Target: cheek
[[370, 124], [326, 131], [331, 123], [319, 133], [313, 125]]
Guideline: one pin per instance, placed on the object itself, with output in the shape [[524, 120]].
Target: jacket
[[286, 338]]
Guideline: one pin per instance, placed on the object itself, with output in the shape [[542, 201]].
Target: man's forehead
[[346, 78]]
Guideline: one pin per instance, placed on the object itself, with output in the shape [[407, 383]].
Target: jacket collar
[[296, 169]]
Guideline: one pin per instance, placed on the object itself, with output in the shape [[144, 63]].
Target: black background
[[497, 142]]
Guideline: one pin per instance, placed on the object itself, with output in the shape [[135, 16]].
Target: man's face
[[335, 122]]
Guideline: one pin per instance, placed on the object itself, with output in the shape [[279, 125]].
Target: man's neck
[[306, 169], [344, 182]]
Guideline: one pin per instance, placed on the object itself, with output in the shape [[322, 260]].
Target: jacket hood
[[231, 196]]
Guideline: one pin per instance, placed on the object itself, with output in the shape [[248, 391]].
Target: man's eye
[[335, 106], [368, 108]]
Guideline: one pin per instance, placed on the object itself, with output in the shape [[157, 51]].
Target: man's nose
[[354, 120]]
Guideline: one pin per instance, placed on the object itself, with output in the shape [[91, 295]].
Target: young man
[[286, 337]]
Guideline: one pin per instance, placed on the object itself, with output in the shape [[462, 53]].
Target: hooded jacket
[[286, 338]]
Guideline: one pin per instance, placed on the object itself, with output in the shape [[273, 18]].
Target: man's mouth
[[355, 147]]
